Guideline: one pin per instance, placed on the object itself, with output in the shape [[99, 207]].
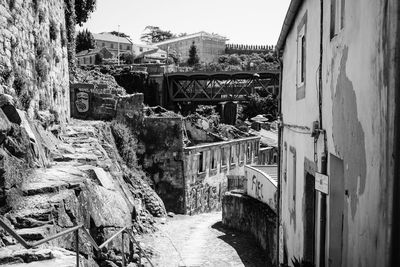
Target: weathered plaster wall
[[33, 55], [204, 190], [250, 215], [358, 105], [301, 113]]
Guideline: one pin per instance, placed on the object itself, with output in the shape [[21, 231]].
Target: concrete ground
[[201, 240]]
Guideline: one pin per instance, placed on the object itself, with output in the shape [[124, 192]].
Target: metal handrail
[[124, 230]]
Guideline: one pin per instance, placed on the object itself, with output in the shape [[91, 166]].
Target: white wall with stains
[[357, 111]]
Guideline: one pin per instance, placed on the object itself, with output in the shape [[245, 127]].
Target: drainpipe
[[324, 157], [280, 128]]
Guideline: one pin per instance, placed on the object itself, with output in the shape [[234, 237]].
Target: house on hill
[[111, 42], [88, 57], [209, 46]]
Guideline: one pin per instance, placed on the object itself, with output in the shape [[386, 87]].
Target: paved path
[[201, 240]]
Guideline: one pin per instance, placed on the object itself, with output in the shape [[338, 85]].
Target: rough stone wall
[[162, 141], [33, 55], [250, 215]]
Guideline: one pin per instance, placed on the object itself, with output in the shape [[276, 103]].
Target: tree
[[260, 105], [154, 34], [83, 8], [120, 34], [127, 57], [193, 57], [84, 41], [98, 59]]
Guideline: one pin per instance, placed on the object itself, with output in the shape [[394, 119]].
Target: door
[[309, 223], [337, 216]]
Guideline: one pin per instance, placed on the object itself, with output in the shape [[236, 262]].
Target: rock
[[163, 220], [171, 214], [108, 263], [105, 207], [6, 100], [7, 105], [5, 126], [11, 113]]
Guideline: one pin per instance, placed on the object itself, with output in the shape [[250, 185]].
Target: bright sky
[[256, 22]]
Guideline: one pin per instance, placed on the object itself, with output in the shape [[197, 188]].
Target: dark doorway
[[337, 225], [309, 215], [229, 113]]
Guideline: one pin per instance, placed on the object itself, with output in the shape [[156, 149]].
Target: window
[[213, 160], [242, 151], [337, 17], [141, 49], [103, 44], [249, 145], [112, 46], [223, 157], [256, 148], [301, 58], [232, 152], [201, 162]]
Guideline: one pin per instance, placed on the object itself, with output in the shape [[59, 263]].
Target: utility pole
[[118, 44]]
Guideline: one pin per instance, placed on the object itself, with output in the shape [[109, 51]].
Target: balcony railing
[[75, 229]]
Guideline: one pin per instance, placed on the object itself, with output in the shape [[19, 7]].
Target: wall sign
[[322, 183]]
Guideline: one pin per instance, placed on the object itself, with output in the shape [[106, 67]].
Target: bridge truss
[[218, 86]]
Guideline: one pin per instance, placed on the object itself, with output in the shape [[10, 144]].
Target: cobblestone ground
[[201, 240]]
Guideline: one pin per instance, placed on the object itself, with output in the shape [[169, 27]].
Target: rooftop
[[198, 34], [104, 36]]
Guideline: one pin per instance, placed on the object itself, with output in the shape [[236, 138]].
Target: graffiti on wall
[[81, 101], [257, 187]]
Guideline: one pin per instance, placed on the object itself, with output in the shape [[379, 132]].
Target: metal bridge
[[216, 87]]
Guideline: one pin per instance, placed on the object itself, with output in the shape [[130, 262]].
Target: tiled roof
[[198, 34], [111, 38], [88, 52]]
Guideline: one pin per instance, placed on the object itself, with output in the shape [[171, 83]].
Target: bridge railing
[[75, 229]]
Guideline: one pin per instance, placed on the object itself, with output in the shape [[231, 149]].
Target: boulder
[[5, 126], [7, 105]]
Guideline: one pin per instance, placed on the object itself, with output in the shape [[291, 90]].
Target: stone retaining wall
[[33, 56], [250, 215]]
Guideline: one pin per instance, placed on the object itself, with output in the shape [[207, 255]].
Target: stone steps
[[16, 256]]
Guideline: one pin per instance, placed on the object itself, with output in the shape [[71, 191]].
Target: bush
[[126, 143], [127, 57]]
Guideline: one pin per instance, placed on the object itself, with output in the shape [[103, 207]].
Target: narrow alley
[[202, 240]]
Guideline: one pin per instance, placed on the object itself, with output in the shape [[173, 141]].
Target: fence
[[76, 229]]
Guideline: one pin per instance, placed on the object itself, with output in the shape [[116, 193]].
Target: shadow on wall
[[246, 247]]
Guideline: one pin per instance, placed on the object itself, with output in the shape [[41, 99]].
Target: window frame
[[201, 162], [301, 64]]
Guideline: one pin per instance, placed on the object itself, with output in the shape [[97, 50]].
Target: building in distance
[[209, 46]]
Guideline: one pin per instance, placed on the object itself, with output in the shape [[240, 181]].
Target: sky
[[256, 22]]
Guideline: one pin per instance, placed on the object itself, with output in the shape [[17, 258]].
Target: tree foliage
[[193, 57], [83, 8], [154, 34], [127, 57], [260, 105], [120, 34], [84, 41]]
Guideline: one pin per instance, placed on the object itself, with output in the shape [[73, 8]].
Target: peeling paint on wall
[[348, 135]]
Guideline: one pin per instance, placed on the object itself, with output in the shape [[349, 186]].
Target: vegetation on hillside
[[84, 41]]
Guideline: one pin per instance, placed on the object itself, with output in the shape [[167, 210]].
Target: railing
[[76, 229]]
